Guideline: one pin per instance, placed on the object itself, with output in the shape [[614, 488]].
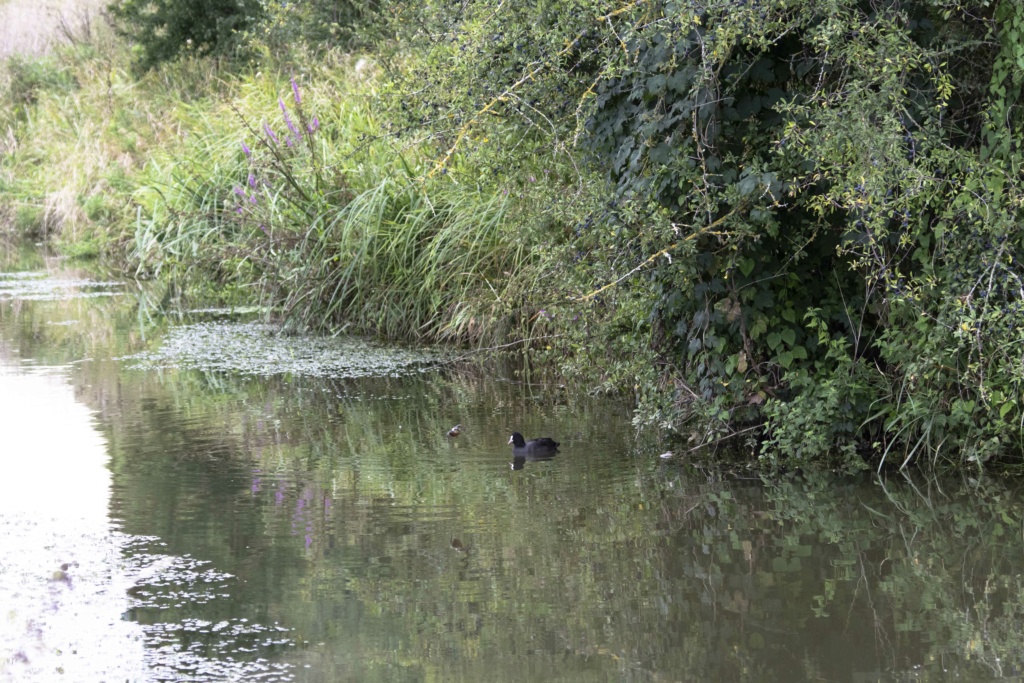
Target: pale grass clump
[[34, 27], [77, 128]]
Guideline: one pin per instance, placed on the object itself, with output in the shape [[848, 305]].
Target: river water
[[187, 497]]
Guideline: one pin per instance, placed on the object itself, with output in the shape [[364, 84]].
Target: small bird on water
[[543, 446], [454, 431]]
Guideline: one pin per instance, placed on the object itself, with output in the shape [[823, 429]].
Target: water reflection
[[60, 554], [292, 527], [519, 461]]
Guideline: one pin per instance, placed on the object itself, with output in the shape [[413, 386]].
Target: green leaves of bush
[[163, 30]]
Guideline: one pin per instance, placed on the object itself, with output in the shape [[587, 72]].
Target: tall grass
[[76, 128], [406, 262], [309, 204], [337, 230]]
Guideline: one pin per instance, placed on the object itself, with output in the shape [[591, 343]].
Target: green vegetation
[[792, 224], [164, 29], [335, 504]]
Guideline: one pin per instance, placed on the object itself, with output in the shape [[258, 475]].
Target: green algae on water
[[257, 349]]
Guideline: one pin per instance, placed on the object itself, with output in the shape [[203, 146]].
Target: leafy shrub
[[162, 30], [317, 25]]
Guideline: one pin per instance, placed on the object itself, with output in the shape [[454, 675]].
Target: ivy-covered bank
[[789, 225]]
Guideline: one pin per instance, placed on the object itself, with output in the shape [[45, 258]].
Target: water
[[189, 499]]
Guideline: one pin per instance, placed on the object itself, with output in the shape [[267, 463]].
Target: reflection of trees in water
[[340, 526], [872, 578], [337, 504]]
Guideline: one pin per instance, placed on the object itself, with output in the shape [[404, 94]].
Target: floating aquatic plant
[[255, 349]]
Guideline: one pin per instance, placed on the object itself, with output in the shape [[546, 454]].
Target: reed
[[412, 263], [279, 182], [293, 191]]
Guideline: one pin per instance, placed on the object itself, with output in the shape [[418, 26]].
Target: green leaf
[[746, 266], [747, 185]]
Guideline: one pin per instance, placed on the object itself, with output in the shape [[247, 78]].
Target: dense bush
[[811, 218], [162, 30], [317, 25]]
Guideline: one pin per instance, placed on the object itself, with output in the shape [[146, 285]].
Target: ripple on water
[[37, 286], [69, 575], [190, 648]]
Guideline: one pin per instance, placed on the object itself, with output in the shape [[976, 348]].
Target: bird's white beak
[[510, 439]]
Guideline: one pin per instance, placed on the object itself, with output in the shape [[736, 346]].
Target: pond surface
[[189, 498]]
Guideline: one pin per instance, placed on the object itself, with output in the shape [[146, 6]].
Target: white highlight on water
[[59, 624]]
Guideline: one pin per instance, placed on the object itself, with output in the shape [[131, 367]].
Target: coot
[[536, 447]]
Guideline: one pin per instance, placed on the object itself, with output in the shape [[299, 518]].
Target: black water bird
[[454, 431], [535, 448]]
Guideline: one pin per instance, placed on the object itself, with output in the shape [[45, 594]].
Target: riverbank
[[815, 280]]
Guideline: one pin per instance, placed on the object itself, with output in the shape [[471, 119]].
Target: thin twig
[[503, 346], [663, 252]]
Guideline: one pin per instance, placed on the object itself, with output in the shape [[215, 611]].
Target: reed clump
[[278, 181]]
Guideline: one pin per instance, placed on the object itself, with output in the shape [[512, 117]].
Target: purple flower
[[245, 148], [239, 192], [314, 125], [252, 181], [270, 133], [287, 120], [295, 89]]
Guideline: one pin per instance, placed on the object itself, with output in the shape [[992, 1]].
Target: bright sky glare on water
[[63, 588]]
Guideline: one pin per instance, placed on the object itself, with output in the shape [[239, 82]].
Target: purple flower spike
[[314, 125], [295, 89], [287, 119], [245, 148], [252, 181], [239, 192], [270, 133]]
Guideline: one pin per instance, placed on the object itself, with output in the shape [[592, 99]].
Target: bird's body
[[544, 446], [454, 431]]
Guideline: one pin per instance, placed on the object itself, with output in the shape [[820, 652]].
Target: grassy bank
[[277, 183]]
